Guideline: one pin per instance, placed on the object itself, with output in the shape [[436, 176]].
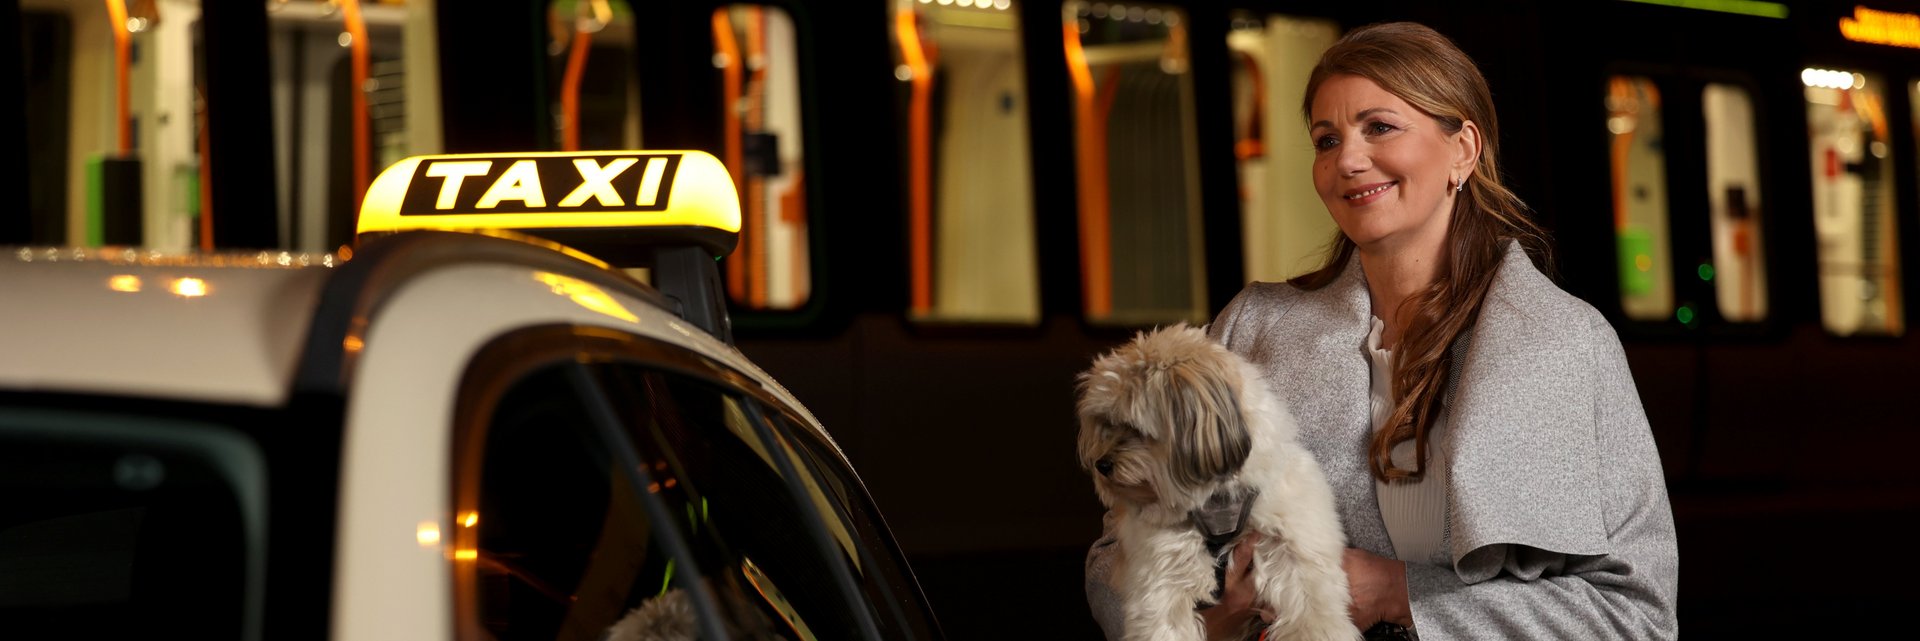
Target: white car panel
[[221, 334], [230, 330], [394, 557]]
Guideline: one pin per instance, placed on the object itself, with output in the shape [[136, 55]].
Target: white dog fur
[[1169, 420]]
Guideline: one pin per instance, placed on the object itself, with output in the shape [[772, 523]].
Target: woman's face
[[1383, 167]]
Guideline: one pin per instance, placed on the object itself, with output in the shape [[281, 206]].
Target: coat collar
[[1523, 464]]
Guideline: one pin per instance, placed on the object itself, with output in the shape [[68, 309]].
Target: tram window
[[970, 187], [72, 52], [1853, 203], [596, 103], [757, 57], [1138, 173], [1640, 198], [319, 127], [1284, 225], [1738, 271]]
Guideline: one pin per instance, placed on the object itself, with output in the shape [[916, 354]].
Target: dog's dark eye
[[1105, 466]]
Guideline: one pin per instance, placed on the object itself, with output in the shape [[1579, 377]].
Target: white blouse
[[1415, 513]]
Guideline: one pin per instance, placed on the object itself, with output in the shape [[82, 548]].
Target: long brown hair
[[1424, 68]]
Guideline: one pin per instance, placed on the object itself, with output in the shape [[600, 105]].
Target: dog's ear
[[1218, 443]]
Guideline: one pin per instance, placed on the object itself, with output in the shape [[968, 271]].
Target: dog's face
[[1160, 419]]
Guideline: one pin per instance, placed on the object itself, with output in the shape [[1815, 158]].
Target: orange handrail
[[919, 160], [1091, 155], [1621, 94], [793, 210], [570, 90], [1254, 145], [729, 59], [362, 136], [122, 71], [755, 209]]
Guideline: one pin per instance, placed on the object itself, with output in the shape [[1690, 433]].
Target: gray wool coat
[[1558, 525]]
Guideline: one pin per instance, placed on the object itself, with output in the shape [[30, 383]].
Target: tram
[[950, 205]]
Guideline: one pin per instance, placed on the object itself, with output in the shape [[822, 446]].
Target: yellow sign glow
[[586, 295], [553, 190], [1882, 28]]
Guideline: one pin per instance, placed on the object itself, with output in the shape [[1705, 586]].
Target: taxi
[[476, 424]]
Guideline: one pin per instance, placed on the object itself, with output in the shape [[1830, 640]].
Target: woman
[[1495, 472]]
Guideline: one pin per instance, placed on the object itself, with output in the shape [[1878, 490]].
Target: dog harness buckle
[[1220, 522]]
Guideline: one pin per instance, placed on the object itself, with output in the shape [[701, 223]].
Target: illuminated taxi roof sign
[[577, 198]]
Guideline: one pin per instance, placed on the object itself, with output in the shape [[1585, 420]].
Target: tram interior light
[[1831, 79]]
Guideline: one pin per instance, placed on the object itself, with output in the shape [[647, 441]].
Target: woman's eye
[[1324, 143], [1379, 128]]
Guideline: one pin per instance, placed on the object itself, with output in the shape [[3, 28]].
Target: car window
[[553, 521], [561, 547], [120, 526], [742, 522]]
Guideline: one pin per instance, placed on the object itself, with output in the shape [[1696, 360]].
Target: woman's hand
[[1231, 617], [1379, 589]]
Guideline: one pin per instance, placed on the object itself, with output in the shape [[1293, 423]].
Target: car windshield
[[127, 526]]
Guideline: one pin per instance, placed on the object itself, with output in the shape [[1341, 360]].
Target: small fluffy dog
[[1188, 448]]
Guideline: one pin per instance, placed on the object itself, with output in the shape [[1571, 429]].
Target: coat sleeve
[[1514, 591], [1222, 327]]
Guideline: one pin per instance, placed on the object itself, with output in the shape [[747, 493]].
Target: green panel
[[96, 202], [1636, 247]]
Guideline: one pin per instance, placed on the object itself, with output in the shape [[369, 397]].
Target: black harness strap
[[1220, 522]]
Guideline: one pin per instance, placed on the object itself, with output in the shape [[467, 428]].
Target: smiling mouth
[[1369, 192]]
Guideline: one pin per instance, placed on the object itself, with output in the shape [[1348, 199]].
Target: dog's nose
[[1105, 466]]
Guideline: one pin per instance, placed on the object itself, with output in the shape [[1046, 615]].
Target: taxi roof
[[141, 323], [254, 328]]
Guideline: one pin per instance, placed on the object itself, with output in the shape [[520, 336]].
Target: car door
[[611, 486]]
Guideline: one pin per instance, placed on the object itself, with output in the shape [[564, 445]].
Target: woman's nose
[[1352, 159]]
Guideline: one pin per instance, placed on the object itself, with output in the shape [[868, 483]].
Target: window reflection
[[755, 53], [1853, 203], [1138, 178], [969, 184], [1284, 225], [1738, 272], [1640, 198], [567, 550]]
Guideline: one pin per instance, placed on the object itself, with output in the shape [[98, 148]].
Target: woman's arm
[[1514, 591], [1231, 619], [1539, 595]]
